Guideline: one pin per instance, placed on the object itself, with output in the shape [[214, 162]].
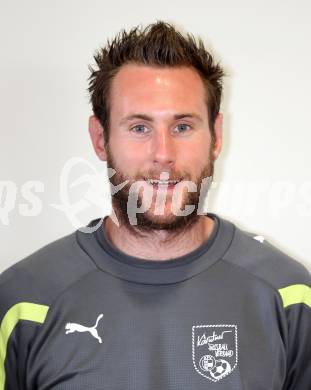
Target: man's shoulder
[[43, 274], [260, 258]]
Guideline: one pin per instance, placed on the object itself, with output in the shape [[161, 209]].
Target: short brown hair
[[158, 44]]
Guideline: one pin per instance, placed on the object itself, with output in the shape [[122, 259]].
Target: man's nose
[[163, 148]]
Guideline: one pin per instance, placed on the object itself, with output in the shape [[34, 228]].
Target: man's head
[[161, 45], [156, 81]]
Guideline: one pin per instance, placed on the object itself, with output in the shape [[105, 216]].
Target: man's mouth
[[162, 183]]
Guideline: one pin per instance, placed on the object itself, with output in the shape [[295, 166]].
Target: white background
[[264, 46]]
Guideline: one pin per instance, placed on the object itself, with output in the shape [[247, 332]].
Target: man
[[161, 295]]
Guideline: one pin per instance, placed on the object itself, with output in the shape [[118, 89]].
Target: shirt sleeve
[[297, 305], [20, 319]]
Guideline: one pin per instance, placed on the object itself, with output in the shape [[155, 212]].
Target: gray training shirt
[[79, 314]]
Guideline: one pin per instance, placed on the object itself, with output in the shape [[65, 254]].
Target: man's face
[[159, 123]]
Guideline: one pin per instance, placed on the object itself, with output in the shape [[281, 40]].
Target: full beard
[[148, 221]]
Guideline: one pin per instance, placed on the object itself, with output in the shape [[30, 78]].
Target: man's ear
[[97, 136], [218, 135]]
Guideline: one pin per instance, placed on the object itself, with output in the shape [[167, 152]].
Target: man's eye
[[138, 129], [182, 127]]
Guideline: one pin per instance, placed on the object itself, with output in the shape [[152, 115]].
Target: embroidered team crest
[[214, 350]]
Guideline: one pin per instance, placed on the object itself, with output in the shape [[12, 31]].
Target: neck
[[157, 245]]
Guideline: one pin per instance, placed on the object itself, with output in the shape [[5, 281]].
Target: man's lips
[[163, 179], [163, 186]]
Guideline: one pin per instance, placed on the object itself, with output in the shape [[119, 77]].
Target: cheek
[[193, 164], [129, 158], [196, 156]]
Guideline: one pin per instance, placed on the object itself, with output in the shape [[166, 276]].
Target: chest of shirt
[[202, 336]]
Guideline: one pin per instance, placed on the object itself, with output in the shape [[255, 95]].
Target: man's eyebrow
[[136, 116], [150, 119], [188, 115]]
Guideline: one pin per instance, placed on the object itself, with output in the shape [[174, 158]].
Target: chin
[[167, 221]]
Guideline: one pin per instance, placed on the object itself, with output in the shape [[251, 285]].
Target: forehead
[[142, 86]]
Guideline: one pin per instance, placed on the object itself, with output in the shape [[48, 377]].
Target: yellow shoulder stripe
[[296, 293], [20, 311]]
